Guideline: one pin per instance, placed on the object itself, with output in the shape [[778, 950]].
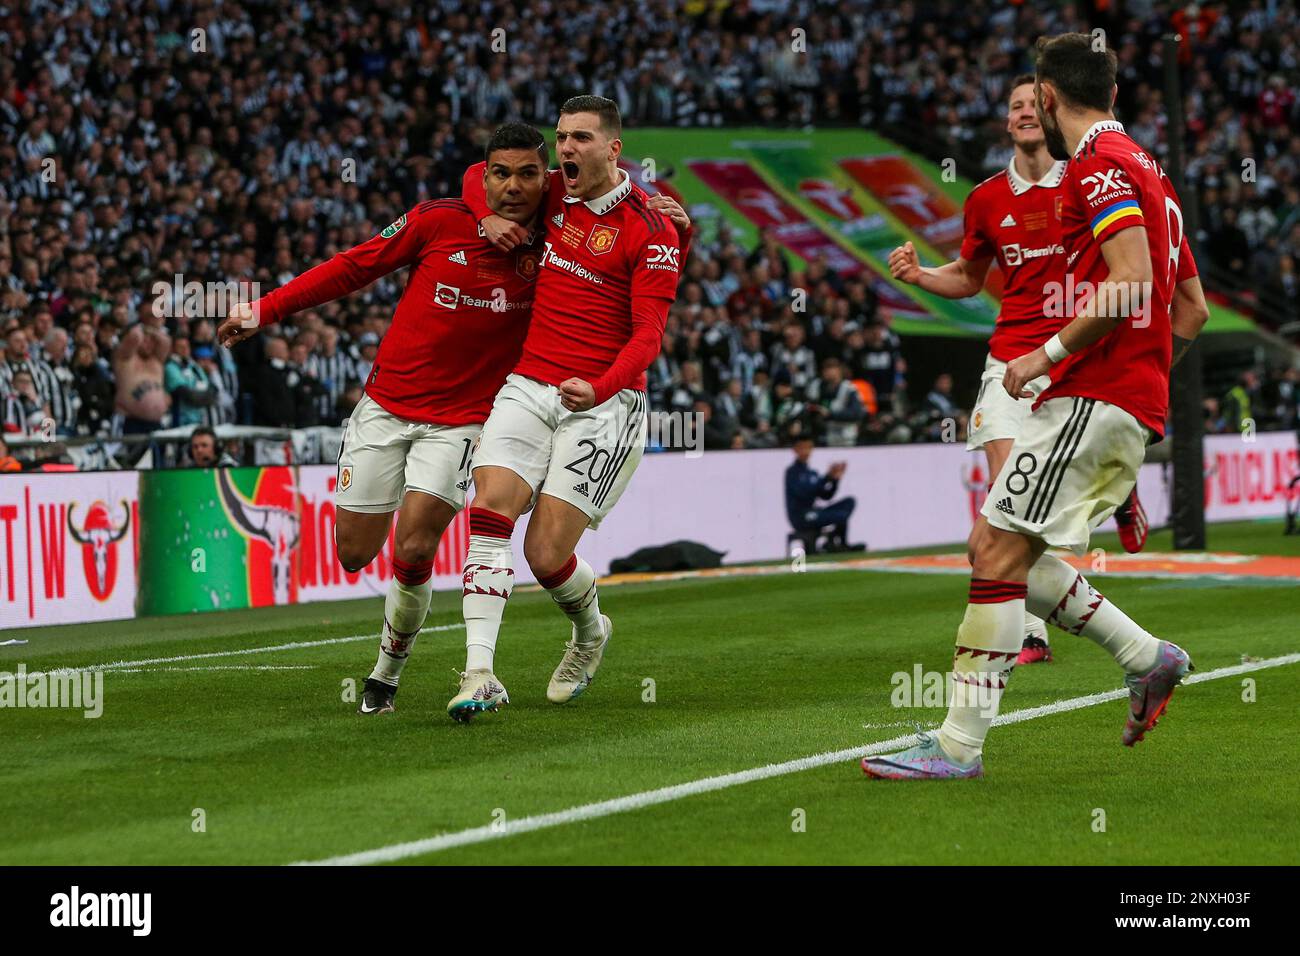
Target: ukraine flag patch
[[1113, 213]]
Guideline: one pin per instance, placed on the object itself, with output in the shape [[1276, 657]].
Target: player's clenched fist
[[904, 264], [240, 324], [577, 395]]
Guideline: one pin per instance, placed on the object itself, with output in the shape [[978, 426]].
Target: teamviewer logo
[[447, 296]]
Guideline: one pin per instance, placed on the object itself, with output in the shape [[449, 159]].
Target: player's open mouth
[[570, 172]]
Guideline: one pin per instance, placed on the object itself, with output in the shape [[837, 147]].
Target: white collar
[[1095, 130], [1019, 184], [603, 204]]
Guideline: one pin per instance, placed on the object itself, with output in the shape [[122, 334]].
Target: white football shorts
[[996, 414], [584, 458], [1074, 462], [382, 456]]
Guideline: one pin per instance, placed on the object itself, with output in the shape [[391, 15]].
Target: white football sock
[[405, 607], [573, 588], [1036, 627], [1064, 597], [489, 577], [988, 643]]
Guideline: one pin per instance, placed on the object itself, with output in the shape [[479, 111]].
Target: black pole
[[1187, 515]]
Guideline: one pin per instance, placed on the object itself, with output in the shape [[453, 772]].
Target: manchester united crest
[[526, 265], [601, 239]]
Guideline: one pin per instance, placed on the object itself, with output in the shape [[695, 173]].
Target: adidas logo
[[1005, 507], [462, 485], [558, 219], [581, 488], [459, 258], [1009, 221]]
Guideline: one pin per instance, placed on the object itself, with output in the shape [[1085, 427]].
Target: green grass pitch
[[745, 671]]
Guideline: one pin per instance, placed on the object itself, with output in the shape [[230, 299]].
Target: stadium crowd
[[145, 147]]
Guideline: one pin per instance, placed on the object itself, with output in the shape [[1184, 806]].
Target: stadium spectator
[[718, 433], [220, 375], [836, 407], [15, 357], [188, 385], [33, 413], [96, 393], [138, 367], [941, 418], [275, 398], [880, 362], [1238, 405], [792, 355], [309, 392], [334, 369]]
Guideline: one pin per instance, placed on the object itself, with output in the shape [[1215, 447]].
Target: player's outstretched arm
[[1188, 316], [959, 279], [397, 246]]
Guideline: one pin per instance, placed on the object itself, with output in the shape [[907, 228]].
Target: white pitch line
[[215, 667], [291, 646], [650, 798]]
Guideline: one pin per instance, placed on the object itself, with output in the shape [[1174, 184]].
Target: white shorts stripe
[[631, 433]]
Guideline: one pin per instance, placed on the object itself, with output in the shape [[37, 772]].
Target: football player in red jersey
[[1013, 218], [1076, 457], [456, 334], [567, 429]]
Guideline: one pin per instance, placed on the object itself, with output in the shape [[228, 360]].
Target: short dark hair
[[610, 120], [517, 136], [1082, 75], [1022, 80], [203, 430]]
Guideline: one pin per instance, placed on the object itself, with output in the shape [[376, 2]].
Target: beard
[[1052, 136]]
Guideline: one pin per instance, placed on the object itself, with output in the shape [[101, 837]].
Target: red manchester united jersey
[[599, 255], [460, 325], [1112, 184], [1018, 223]]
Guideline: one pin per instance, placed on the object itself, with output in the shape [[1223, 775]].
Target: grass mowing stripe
[[291, 646], [637, 801]]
